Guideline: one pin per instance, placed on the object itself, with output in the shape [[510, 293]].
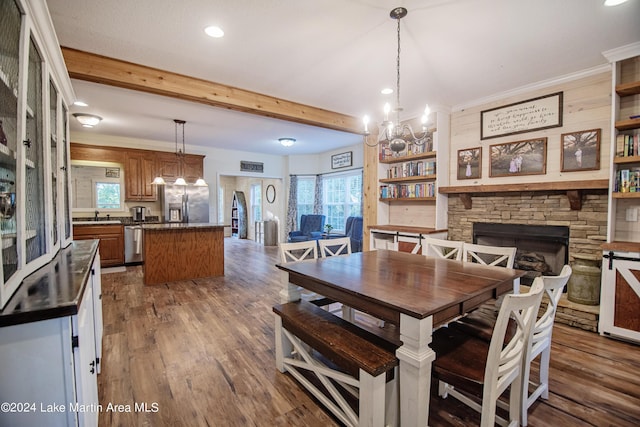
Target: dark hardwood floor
[[201, 353]]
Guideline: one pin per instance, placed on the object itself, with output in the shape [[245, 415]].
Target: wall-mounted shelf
[[407, 199], [416, 178], [400, 159], [573, 188]]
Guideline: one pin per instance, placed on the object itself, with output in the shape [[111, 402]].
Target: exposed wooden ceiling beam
[[114, 72]]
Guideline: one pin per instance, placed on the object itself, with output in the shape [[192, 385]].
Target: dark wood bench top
[[344, 343]]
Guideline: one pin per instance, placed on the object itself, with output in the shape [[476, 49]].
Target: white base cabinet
[[620, 295], [48, 375]]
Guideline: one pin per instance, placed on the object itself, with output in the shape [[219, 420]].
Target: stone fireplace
[[541, 249], [587, 227]]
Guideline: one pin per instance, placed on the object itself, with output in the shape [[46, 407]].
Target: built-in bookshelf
[[409, 176], [626, 162]]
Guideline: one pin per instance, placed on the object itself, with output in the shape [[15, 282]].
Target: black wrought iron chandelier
[[397, 134]]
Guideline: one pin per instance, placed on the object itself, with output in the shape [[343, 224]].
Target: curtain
[[292, 208], [317, 200]]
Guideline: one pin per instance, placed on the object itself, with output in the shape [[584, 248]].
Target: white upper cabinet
[[35, 91]]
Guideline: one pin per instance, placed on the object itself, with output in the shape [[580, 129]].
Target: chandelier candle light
[[398, 134]]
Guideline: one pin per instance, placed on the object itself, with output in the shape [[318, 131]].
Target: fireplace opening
[[541, 249]]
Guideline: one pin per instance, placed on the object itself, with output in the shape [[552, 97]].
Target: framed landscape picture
[[528, 157], [580, 151], [470, 163]]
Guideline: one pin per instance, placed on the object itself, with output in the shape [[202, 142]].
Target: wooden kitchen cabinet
[[111, 238], [170, 166], [193, 168], [139, 171]]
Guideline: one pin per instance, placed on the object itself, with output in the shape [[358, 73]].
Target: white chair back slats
[[332, 247], [451, 249], [489, 255], [298, 251]]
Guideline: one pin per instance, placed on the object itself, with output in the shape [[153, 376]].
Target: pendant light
[[395, 134]]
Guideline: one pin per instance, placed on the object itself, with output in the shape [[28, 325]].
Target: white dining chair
[[477, 372], [407, 241], [541, 342], [300, 251], [440, 248], [489, 255], [479, 324], [332, 247]]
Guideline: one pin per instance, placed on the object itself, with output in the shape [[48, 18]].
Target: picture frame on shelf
[[580, 151], [543, 112], [526, 157], [470, 163]]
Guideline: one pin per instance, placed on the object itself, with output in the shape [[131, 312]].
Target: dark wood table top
[[387, 283]]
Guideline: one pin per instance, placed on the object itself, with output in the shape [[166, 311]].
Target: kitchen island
[[177, 251]]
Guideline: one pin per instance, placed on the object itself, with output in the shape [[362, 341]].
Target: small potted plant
[[328, 227]]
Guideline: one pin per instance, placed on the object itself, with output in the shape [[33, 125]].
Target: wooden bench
[[363, 363]]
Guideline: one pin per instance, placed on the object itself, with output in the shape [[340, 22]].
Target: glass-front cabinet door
[[35, 89], [66, 177], [35, 237], [53, 143], [10, 21]]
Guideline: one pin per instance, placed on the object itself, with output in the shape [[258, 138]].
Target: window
[[107, 195], [256, 201], [97, 185], [306, 190], [342, 198]]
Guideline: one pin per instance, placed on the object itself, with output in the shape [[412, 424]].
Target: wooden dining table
[[415, 292]]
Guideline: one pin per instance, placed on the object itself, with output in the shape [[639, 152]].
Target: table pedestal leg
[[289, 292], [415, 370]]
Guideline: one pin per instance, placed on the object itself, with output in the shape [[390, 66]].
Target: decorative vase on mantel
[[584, 284]]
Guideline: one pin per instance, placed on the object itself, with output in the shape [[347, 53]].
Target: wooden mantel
[[573, 188]]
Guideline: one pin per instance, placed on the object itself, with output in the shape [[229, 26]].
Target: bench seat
[[365, 362]]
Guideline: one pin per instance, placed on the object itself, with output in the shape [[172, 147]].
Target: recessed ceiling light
[[386, 91], [613, 2], [81, 104], [213, 31]]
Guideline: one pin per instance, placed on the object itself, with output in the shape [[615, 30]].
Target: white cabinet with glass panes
[[34, 93]]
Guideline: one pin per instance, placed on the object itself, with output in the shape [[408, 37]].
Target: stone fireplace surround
[[587, 228]]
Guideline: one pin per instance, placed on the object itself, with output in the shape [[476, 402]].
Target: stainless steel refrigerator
[[184, 203]]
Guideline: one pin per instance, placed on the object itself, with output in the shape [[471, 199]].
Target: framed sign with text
[[543, 112], [342, 160]]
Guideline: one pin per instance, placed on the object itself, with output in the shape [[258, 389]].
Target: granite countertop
[[124, 220], [180, 226], [55, 290]]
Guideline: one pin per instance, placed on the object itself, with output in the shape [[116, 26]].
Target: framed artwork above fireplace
[[527, 157], [580, 151]]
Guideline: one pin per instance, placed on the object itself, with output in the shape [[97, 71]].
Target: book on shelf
[[627, 144], [407, 191]]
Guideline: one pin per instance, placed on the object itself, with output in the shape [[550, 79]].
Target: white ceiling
[[332, 54]]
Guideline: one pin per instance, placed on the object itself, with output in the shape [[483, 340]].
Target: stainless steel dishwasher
[[133, 244]]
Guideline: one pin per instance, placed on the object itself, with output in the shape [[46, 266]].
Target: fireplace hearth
[[541, 249]]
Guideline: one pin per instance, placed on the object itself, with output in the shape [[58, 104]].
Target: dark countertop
[[180, 226], [406, 229], [56, 289], [124, 220]]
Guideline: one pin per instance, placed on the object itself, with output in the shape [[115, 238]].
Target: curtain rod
[[328, 173]]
